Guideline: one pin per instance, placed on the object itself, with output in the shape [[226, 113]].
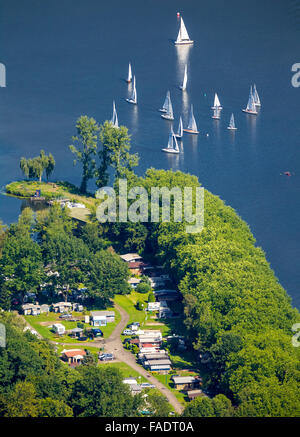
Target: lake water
[[65, 58]]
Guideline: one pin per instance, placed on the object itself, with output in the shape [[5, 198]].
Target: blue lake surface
[[67, 58]]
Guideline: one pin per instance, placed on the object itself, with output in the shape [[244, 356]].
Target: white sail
[[166, 103], [172, 143], [183, 36], [232, 123], [184, 83], [183, 32], [217, 103], [251, 101], [180, 129], [251, 107], [114, 119], [175, 144], [133, 98], [168, 108], [129, 78], [133, 94], [256, 96], [192, 122]]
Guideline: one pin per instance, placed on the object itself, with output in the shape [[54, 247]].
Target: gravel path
[[114, 345]]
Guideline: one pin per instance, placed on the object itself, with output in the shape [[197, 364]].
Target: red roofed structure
[[73, 356]]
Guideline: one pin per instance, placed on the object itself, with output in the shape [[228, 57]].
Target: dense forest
[[48, 254], [238, 316]]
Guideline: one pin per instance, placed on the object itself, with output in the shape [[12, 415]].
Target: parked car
[[136, 323], [106, 357], [66, 316], [97, 332], [128, 332]]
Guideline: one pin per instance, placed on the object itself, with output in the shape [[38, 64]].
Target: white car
[[128, 332]]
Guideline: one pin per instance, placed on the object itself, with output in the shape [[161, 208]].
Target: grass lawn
[[183, 360], [150, 324], [166, 380], [125, 369], [93, 350], [128, 302], [82, 214], [175, 326], [45, 331], [145, 318], [50, 190]]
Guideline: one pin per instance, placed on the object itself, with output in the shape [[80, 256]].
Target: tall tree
[[158, 404], [21, 401], [2, 235], [107, 275], [35, 167], [114, 153], [219, 406], [100, 392], [67, 256], [21, 265], [86, 139]]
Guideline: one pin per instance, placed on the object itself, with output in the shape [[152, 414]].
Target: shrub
[[151, 297], [139, 305], [142, 287]]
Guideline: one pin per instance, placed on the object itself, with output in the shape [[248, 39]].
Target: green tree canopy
[[35, 167], [84, 148], [114, 153], [100, 392], [21, 265]]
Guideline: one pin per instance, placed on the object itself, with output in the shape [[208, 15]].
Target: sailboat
[[192, 126], [179, 133], [183, 86], [172, 144], [129, 77], [217, 113], [133, 98], [168, 115], [166, 103], [183, 36], [256, 96], [114, 119], [217, 103], [251, 108], [232, 123]]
